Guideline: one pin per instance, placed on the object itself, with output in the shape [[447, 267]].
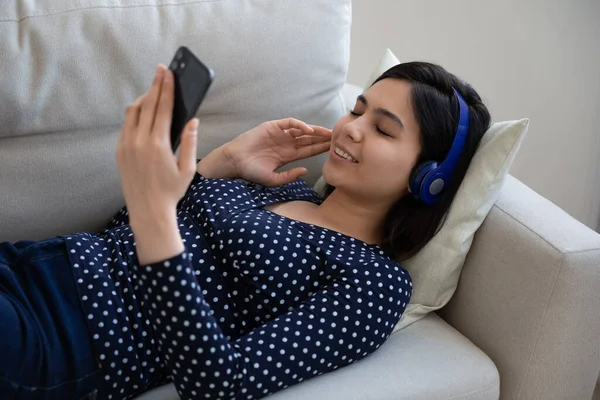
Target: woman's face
[[382, 138]]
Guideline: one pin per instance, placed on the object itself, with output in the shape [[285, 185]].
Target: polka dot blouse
[[257, 302]]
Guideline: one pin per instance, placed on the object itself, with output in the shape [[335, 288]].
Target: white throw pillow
[[387, 61], [435, 270]]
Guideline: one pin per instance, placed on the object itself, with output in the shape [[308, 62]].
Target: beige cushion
[[427, 361], [70, 67], [435, 270]]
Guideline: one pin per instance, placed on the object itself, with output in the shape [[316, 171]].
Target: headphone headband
[[428, 180], [459, 138]]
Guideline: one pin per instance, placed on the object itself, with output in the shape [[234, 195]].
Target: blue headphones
[[428, 180]]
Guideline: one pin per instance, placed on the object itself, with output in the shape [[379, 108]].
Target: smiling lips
[[344, 155]]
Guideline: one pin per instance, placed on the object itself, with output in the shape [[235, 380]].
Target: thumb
[[281, 178], [187, 152]]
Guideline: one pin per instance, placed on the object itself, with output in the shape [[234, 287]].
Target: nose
[[353, 130]]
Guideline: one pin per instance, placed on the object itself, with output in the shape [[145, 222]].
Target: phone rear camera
[[182, 65], [173, 66], [179, 55]]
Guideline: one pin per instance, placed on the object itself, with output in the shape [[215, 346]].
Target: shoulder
[[378, 260], [380, 274], [376, 287]]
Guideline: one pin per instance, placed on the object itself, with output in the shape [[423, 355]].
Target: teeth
[[343, 154]]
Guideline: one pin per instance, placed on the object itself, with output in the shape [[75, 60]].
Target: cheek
[[391, 166], [337, 128]]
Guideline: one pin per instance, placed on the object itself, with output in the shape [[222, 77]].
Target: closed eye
[[354, 114], [382, 132]]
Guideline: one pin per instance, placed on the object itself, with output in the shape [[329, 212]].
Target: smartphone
[[192, 81]]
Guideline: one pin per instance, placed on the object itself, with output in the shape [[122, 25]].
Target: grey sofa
[[525, 320]]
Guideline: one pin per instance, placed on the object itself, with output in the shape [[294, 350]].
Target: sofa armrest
[[529, 297]]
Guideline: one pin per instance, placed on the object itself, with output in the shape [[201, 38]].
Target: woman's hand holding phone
[[154, 179], [256, 154]]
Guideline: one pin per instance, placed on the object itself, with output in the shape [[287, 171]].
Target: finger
[[312, 150], [164, 112], [282, 178], [187, 152], [150, 103], [290, 123], [303, 141], [293, 132], [132, 117], [321, 131]]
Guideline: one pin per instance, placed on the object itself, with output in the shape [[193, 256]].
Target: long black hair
[[410, 224]]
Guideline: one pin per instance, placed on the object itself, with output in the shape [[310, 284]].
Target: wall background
[[536, 59]]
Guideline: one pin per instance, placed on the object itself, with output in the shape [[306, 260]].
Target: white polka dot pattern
[[256, 303]]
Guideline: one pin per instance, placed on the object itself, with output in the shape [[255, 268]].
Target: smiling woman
[[406, 119]]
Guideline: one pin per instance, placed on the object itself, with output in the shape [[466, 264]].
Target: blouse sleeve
[[342, 323]]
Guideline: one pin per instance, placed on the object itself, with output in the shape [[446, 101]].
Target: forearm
[[217, 164], [193, 346]]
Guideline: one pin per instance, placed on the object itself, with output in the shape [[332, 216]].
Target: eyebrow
[[382, 111]]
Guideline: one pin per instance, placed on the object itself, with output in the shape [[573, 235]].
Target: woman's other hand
[[153, 179], [256, 154]]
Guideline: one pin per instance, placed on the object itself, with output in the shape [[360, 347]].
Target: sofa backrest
[[69, 68]]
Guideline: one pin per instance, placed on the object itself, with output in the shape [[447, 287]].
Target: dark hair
[[410, 224]]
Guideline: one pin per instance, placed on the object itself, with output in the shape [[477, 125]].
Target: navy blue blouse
[[257, 302]]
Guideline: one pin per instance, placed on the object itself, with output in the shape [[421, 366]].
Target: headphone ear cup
[[417, 176], [413, 178]]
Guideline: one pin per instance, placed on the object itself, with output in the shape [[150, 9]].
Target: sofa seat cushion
[[427, 360]]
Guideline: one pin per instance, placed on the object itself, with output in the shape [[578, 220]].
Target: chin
[[336, 177], [329, 172]]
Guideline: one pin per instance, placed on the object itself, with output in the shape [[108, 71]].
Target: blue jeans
[[45, 346]]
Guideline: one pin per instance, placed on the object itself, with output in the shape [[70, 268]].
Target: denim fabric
[[45, 345]]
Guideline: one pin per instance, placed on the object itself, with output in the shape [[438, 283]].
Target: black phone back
[[192, 81]]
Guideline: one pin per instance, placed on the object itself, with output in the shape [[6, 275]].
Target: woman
[[236, 289]]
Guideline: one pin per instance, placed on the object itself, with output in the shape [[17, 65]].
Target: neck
[[358, 218]]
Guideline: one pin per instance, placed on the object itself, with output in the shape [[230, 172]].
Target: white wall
[[527, 58]]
